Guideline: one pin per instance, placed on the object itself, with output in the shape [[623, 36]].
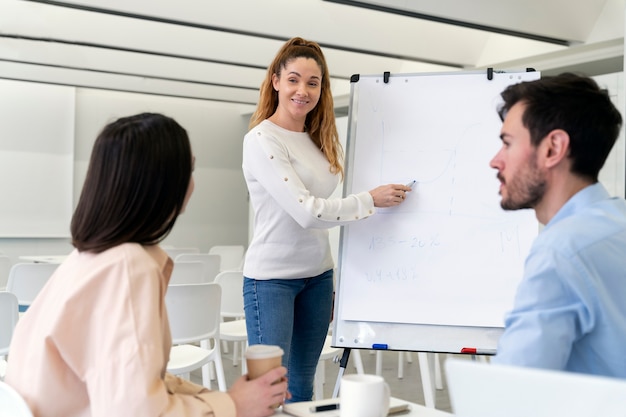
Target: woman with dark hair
[[292, 163], [96, 341]]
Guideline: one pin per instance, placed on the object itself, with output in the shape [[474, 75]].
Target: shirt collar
[[585, 197]]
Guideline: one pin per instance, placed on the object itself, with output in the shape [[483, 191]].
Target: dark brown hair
[[575, 104], [136, 183]]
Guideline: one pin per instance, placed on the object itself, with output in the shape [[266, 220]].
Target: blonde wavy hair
[[320, 122]]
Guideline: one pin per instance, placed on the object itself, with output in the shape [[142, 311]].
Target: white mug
[[363, 396]]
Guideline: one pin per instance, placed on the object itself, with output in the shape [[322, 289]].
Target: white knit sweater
[[289, 182]]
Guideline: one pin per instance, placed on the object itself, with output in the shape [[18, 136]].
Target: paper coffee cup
[[262, 358]]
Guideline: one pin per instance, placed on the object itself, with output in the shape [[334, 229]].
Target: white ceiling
[[218, 50]]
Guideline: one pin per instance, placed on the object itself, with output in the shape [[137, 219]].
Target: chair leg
[[438, 377], [358, 361], [401, 356], [318, 382], [206, 375], [427, 371], [379, 362], [219, 371], [244, 365], [235, 353]]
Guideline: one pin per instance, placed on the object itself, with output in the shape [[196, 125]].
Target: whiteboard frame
[[401, 336]]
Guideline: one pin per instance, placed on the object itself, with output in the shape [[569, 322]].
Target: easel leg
[[343, 363], [427, 372]]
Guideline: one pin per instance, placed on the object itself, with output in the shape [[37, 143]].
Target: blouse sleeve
[[127, 351], [267, 161]]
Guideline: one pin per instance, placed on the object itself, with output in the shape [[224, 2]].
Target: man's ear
[[556, 147]]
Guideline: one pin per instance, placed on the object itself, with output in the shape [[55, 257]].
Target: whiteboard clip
[[386, 76], [491, 71]]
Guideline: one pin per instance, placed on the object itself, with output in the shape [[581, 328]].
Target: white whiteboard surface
[[36, 159], [438, 272]]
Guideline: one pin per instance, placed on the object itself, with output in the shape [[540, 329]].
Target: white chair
[[11, 403], [173, 252], [187, 273], [231, 256], [27, 279], [5, 267], [194, 315], [233, 330], [210, 262], [9, 313]]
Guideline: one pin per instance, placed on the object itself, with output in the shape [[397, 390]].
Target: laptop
[[479, 389]]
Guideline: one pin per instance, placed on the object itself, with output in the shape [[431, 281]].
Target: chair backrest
[[231, 256], [479, 389], [187, 273], [173, 252], [9, 313], [211, 263], [232, 293], [5, 267], [11, 403], [27, 279], [193, 311]]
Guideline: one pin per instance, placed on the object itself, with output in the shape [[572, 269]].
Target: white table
[[49, 259], [416, 410]]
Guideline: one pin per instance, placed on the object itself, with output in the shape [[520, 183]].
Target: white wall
[[217, 212]]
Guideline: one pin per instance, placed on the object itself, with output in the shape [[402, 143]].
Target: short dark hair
[[576, 104], [136, 183]]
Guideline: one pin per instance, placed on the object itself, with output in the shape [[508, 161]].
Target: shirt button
[[271, 156], [286, 179], [338, 218], [300, 200], [319, 215]]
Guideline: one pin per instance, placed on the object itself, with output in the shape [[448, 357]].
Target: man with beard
[[570, 307]]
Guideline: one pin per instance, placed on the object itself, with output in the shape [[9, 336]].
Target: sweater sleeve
[[266, 161]]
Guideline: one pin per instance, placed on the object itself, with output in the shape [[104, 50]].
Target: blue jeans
[[293, 314]]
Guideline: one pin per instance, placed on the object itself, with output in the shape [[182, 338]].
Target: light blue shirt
[[570, 307]]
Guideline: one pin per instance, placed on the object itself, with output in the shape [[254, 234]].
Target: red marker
[[475, 351]]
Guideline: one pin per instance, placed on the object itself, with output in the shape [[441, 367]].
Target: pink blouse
[[96, 342]]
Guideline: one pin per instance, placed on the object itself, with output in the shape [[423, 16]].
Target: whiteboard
[[36, 159], [438, 272]]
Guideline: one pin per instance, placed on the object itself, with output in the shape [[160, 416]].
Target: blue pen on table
[[381, 346]]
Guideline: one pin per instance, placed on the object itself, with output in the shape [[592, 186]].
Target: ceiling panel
[[219, 50], [558, 19]]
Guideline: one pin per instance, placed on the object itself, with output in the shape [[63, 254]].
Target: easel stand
[[343, 363]]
